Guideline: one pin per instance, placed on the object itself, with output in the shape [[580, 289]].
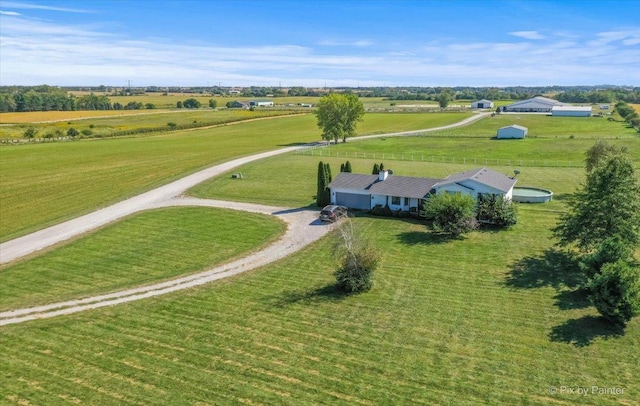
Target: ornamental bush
[[615, 292]]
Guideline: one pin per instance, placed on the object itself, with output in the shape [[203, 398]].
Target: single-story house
[[571, 111], [482, 104], [537, 104], [512, 131], [478, 183], [261, 103], [405, 193]]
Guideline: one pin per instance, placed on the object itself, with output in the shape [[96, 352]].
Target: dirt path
[[303, 229]]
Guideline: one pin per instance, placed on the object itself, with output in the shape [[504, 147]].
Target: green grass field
[[482, 320], [289, 180], [46, 183], [492, 318], [145, 248], [113, 125]]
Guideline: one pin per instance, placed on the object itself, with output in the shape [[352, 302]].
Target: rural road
[[302, 230]]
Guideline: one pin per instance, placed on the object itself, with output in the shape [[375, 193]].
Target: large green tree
[[607, 206], [338, 115]]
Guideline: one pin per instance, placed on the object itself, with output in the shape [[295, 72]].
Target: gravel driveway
[[303, 229]]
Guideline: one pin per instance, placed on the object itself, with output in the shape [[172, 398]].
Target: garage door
[[353, 201]]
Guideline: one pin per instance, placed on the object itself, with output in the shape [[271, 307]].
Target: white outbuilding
[[482, 104], [571, 111], [512, 131]]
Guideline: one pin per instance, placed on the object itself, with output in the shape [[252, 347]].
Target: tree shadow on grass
[[583, 331], [573, 299], [559, 270], [424, 237], [328, 293], [553, 268]]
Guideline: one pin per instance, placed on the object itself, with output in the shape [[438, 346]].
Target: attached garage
[[352, 200]]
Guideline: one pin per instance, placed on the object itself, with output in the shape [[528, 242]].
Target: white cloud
[[27, 6], [9, 13], [36, 52], [527, 34], [335, 43]]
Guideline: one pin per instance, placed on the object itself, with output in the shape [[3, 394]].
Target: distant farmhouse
[[482, 104], [541, 104], [405, 193], [261, 103], [512, 131]]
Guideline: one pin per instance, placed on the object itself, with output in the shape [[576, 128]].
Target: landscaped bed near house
[[482, 320], [144, 248]]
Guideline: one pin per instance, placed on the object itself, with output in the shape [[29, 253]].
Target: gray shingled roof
[[482, 175], [404, 186], [347, 180]]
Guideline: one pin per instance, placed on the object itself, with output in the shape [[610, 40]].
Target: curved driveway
[[302, 230]]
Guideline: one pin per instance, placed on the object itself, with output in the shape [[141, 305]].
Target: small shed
[[482, 104], [512, 131]]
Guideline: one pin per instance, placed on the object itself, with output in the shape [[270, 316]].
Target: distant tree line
[[49, 98]]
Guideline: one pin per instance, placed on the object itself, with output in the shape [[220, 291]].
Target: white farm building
[[538, 104], [571, 111], [512, 131], [261, 103], [482, 104]]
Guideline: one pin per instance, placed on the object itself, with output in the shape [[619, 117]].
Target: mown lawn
[[543, 126], [483, 320], [47, 183], [144, 248], [290, 180], [482, 151], [44, 184]]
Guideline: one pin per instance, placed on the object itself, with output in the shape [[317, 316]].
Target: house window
[[406, 201], [395, 200]]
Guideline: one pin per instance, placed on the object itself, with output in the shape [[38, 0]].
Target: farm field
[[158, 244], [46, 183], [447, 322], [39, 116], [543, 126], [157, 120], [491, 318]]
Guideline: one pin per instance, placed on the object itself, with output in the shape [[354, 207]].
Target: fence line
[[320, 151]]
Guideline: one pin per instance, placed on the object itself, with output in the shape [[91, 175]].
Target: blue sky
[[317, 43]]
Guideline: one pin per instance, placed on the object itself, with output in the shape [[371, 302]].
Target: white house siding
[[472, 188], [406, 203]]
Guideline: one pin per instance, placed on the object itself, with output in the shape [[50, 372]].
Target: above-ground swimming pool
[[531, 195]]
